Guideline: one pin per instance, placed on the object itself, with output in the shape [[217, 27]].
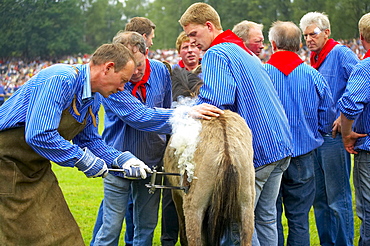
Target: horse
[[218, 175]]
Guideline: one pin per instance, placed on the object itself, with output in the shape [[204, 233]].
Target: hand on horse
[[205, 111], [133, 168], [92, 165]]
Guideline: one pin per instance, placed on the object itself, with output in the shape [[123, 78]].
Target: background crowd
[[14, 73]]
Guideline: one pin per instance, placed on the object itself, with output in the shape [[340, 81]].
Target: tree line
[[47, 29]]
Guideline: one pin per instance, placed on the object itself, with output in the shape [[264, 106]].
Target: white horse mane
[[185, 136]]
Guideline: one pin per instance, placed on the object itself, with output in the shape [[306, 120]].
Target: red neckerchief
[[182, 65], [229, 37], [141, 84], [285, 61], [367, 55], [323, 53]]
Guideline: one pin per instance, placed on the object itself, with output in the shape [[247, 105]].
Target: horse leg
[[177, 197], [196, 202]]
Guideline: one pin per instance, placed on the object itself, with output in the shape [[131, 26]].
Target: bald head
[[286, 35]]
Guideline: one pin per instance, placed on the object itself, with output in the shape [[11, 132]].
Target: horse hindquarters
[[224, 183], [231, 153]]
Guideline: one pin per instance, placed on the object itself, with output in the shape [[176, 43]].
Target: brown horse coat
[[222, 191]]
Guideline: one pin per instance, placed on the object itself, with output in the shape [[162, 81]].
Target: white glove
[[134, 168]]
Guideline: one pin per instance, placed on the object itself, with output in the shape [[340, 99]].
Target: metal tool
[[152, 186], [116, 170], [124, 172]]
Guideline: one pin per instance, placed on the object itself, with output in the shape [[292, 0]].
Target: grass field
[[84, 195]]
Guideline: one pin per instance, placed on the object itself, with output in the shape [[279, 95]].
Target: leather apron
[[33, 210]]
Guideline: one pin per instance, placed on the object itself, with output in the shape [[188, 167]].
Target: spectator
[[355, 114], [146, 28], [333, 200], [315, 111], [251, 33], [235, 80], [189, 53], [2, 94], [143, 26]]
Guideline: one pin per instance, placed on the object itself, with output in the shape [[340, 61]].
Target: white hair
[[321, 20]]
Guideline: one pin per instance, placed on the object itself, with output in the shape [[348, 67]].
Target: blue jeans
[[170, 222], [116, 197], [361, 180], [267, 183], [333, 200], [297, 193], [129, 233], [98, 223], [130, 227], [267, 180]]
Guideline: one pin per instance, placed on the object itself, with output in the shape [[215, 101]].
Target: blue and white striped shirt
[[38, 106], [308, 104], [336, 69], [235, 80], [355, 102], [128, 120]]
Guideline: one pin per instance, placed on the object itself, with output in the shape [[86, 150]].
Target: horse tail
[[224, 209]]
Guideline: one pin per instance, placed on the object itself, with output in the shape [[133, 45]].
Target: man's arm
[[349, 137]]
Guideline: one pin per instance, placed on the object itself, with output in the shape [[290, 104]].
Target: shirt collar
[[86, 91]]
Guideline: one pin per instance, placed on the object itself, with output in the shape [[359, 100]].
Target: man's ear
[[209, 25], [361, 37], [108, 66], [327, 33], [274, 46]]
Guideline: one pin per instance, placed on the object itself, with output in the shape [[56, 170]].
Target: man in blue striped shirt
[[333, 201], [355, 112], [37, 124], [309, 106], [134, 117], [234, 79], [127, 135]]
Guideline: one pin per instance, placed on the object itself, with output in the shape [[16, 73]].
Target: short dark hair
[[141, 25], [117, 53]]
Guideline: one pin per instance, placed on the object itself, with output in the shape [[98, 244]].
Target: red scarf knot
[[141, 84], [229, 37], [285, 61], [317, 59]]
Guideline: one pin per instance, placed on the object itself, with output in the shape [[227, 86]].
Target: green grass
[[84, 195]]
